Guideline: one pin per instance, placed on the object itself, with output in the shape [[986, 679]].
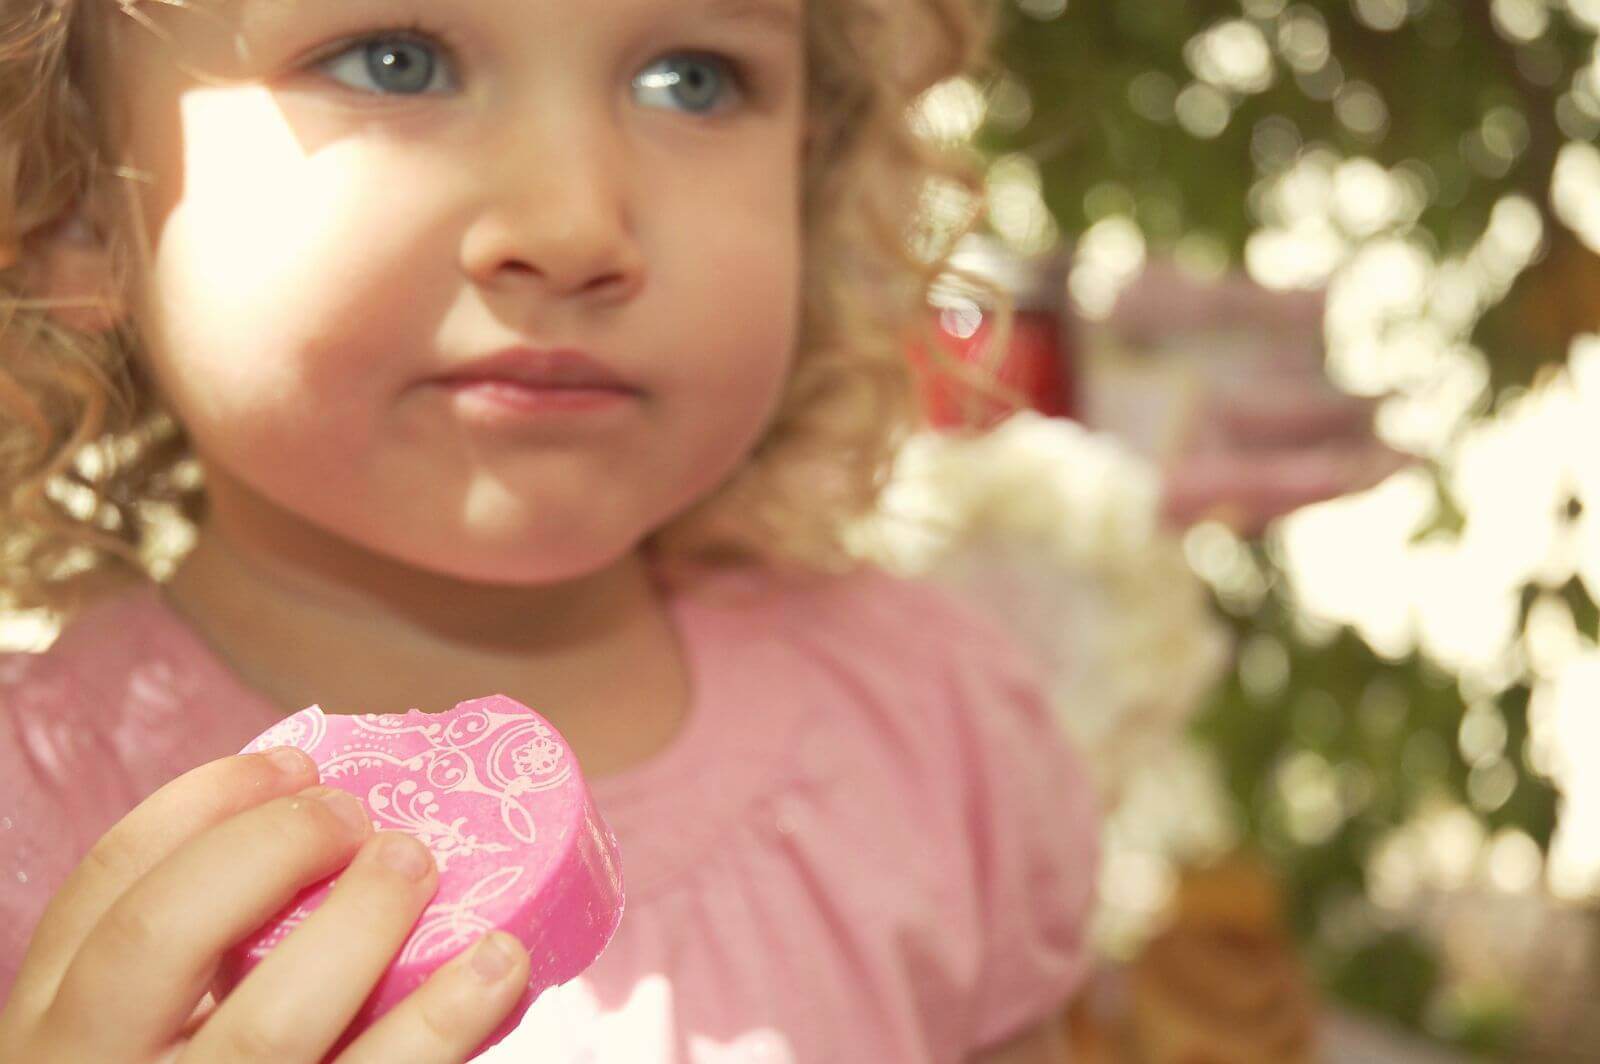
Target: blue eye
[[405, 64], [390, 65], [696, 81]]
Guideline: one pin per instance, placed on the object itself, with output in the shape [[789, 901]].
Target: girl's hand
[[121, 961]]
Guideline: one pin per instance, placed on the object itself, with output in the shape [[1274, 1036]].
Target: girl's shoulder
[[898, 661], [856, 683], [69, 766], [898, 737], [973, 733], [890, 623], [59, 680], [65, 709], [98, 644], [118, 700], [905, 610]]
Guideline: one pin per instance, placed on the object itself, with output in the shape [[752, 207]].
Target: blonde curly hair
[[94, 471]]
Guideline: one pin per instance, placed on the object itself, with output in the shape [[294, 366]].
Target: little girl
[[384, 354]]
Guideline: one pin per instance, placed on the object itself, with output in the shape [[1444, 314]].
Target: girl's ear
[[70, 264]]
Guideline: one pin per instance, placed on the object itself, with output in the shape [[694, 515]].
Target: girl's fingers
[[446, 1017], [182, 809], [152, 956], [293, 1006]]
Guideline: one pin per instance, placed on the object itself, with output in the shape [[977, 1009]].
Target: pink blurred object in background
[[1222, 384], [495, 793]]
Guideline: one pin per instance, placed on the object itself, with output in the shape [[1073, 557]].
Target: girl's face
[[347, 198]]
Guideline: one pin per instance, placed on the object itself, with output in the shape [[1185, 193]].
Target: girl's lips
[[536, 368], [498, 398]]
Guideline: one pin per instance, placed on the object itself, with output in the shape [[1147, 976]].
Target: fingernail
[[493, 957], [289, 760], [403, 854], [346, 807]]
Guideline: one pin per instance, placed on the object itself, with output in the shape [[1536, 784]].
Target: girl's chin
[[525, 568]]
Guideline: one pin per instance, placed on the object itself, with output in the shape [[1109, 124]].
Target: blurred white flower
[[1055, 531]]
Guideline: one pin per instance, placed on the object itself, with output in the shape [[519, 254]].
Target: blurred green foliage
[[1473, 109], [1444, 93]]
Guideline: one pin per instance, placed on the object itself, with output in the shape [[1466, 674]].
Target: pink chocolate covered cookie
[[495, 793]]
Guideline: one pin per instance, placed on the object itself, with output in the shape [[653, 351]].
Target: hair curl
[[96, 474]]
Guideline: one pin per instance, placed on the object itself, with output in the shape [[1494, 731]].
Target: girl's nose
[[561, 222]]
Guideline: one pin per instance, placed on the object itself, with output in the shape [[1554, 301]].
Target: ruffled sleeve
[[36, 845], [1033, 819], [62, 785]]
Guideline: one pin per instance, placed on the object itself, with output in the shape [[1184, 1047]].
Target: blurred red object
[[1038, 362]]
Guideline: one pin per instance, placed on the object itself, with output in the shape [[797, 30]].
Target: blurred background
[[1328, 296]]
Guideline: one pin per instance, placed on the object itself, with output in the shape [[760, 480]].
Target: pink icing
[[495, 793]]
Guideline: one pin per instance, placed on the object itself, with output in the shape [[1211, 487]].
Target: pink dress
[[867, 843]]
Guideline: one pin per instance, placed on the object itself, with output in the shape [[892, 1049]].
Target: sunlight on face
[[240, 149], [338, 210]]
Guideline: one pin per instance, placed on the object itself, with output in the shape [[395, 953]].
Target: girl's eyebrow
[[781, 16]]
